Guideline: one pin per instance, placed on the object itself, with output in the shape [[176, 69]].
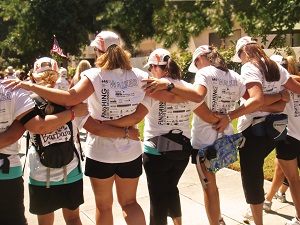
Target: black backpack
[[55, 149]]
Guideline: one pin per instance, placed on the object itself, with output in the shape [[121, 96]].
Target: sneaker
[[222, 222], [247, 217], [294, 221], [280, 197], [267, 206]]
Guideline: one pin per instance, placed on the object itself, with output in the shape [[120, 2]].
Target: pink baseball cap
[[105, 39], [43, 64]]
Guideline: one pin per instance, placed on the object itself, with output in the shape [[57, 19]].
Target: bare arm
[[105, 130], [39, 125], [205, 114], [74, 96], [273, 102], [186, 93], [296, 77], [165, 96], [130, 120], [12, 134], [71, 84], [276, 107], [292, 85]]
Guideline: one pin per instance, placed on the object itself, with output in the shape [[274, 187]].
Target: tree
[[260, 18], [36, 22], [131, 19], [176, 22], [28, 26]]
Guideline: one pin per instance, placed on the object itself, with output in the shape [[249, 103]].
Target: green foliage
[[221, 18], [132, 19], [35, 23], [260, 18], [175, 22], [27, 27], [227, 54], [184, 59]]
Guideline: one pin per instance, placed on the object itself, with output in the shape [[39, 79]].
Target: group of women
[[119, 96]]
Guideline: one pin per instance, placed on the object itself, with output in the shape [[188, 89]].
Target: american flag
[[57, 49]]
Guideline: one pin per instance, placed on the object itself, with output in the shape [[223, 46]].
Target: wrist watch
[[170, 86]]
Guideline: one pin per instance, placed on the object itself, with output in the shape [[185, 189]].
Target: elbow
[[41, 130], [197, 99], [259, 101], [281, 106]]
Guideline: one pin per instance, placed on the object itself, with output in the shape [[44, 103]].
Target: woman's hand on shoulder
[[16, 84], [153, 85]]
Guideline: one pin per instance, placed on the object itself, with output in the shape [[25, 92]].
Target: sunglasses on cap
[[45, 64]]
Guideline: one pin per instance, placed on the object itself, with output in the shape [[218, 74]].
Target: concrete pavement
[[233, 204]]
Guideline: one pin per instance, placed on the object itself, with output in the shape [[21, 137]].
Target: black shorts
[[12, 202], [194, 155], [46, 200], [288, 149], [101, 170]]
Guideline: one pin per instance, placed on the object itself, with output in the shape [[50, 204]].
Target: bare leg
[[177, 221], [126, 191], [47, 219], [283, 188], [211, 197], [257, 211], [71, 216], [278, 178], [290, 169], [104, 199]]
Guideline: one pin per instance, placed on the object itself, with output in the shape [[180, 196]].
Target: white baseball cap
[[63, 71], [44, 64], [241, 43], [277, 58], [157, 57], [105, 39], [201, 50]]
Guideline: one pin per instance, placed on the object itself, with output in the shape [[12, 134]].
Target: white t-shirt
[[251, 73], [223, 92], [117, 94], [12, 104], [163, 116], [292, 109], [62, 84]]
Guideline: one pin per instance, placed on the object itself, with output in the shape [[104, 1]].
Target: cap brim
[[236, 58], [94, 44], [193, 68], [147, 64]]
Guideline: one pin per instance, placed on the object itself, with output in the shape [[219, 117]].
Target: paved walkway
[[233, 204]]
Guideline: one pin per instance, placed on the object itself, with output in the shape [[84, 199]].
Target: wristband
[[126, 132], [228, 116], [170, 86], [72, 113]]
